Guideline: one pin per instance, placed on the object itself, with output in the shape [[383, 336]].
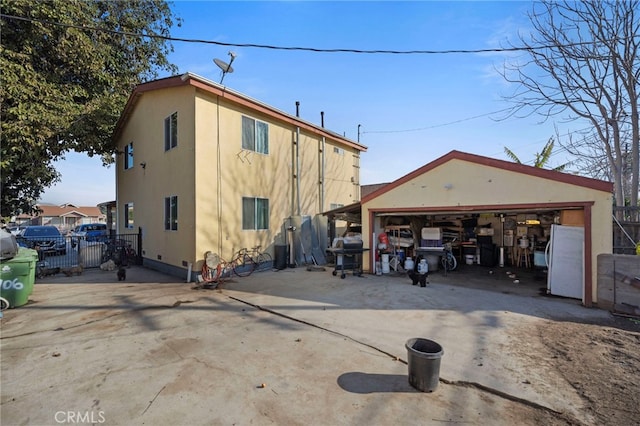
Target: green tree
[[64, 83], [542, 158]]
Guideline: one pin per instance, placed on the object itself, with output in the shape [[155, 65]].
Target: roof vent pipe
[[322, 118], [297, 109]]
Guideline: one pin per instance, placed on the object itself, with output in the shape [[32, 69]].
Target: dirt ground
[[601, 361]]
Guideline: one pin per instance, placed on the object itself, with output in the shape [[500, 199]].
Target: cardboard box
[[572, 217], [521, 231]]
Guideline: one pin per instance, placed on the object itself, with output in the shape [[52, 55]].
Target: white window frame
[[128, 216], [128, 156], [255, 135], [171, 131], [252, 218], [171, 213]]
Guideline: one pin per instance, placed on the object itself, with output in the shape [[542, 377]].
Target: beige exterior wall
[[210, 173], [166, 174], [251, 174], [342, 174], [460, 184]]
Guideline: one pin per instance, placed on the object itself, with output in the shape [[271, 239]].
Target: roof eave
[[216, 89], [553, 175]]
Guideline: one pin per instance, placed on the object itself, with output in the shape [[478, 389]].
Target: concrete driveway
[[278, 347]]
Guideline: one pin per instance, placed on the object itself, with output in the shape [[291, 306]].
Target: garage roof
[[552, 175]]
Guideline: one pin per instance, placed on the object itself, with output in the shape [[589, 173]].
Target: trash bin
[[424, 363], [281, 256], [18, 275]]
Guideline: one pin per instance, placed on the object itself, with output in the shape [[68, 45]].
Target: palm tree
[[542, 158]]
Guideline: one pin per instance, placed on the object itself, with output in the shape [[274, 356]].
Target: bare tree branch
[[589, 71]]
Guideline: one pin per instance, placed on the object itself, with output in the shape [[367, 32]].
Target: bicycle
[[242, 263], [449, 262], [246, 261], [262, 260], [120, 251]]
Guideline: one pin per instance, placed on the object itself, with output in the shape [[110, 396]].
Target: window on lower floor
[[171, 213], [128, 215], [255, 213]]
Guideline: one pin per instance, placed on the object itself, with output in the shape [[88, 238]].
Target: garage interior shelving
[[480, 234]]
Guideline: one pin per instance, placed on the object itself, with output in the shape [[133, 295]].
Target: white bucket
[[385, 263], [469, 258], [408, 264], [524, 242]]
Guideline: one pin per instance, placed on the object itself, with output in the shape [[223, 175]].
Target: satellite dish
[[226, 68]]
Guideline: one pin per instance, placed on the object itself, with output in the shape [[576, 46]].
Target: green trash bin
[[18, 276]]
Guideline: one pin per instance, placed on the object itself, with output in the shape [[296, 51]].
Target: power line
[[437, 125], [290, 48]]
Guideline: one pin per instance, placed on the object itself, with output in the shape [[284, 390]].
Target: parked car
[[15, 229], [89, 232], [46, 239]]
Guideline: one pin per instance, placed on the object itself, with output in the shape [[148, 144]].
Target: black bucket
[[281, 256], [424, 363]]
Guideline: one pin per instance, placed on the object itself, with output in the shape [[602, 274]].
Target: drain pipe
[[297, 166], [322, 160], [293, 167]]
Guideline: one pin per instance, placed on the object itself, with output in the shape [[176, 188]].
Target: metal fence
[[71, 251], [626, 229]]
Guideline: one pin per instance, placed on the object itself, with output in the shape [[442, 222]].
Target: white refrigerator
[[565, 260]]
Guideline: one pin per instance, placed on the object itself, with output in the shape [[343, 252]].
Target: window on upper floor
[[255, 213], [339, 151], [171, 131], [171, 213], [128, 156], [128, 215], [333, 206], [255, 135]]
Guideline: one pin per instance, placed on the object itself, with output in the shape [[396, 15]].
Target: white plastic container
[[423, 266], [469, 258], [409, 264], [385, 263]]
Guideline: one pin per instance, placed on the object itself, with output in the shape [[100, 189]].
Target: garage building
[[494, 211]]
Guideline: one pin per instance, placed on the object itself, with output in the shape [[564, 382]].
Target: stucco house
[[487, 203], [65, 216], [204, 168]]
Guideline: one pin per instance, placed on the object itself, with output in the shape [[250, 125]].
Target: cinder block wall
[[619, 283]]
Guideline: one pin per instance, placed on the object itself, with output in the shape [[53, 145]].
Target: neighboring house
[[65, 217], [500, 202], [204, 168]]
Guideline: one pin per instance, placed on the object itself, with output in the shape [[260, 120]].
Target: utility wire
[[436, 125], [306, 49]]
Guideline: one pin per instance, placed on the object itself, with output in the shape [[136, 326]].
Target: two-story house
[[204, 168]]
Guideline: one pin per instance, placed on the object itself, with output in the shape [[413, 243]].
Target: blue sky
[[411, 108]]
